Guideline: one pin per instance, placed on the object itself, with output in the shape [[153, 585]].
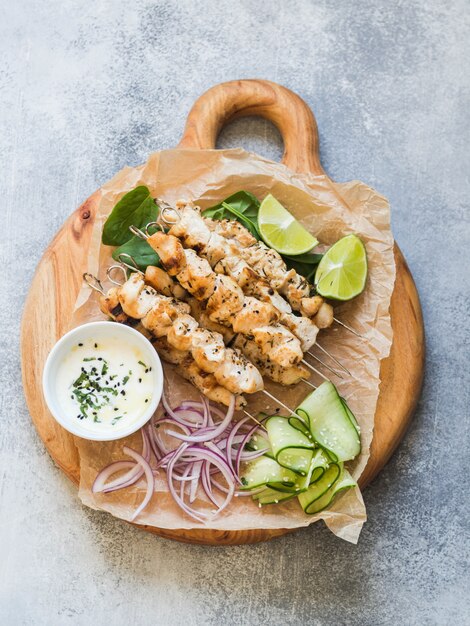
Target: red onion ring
[[206, 451], [148, 475]]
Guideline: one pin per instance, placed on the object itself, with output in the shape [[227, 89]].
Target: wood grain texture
[[60, 270]]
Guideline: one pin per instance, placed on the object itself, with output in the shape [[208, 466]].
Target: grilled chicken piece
[[162, 282], [163, 314], [310, 306], [197, 276], [207, 384], [226, 300], [135, 297], [254, 314], [303, 328], [282, 375], [324, 317], [198, 311], [231, 229], [208, 350], [279, 344], [180, 332], [188, 369], [110, 305], [170, 251], [238, 374]]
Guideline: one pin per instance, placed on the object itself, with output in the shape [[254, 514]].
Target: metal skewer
[[270, 395], [333, 358], [314, 369], [93, 282], [307, 382], [128, 261], [252, 418], [314, 356], [351, 330], [116, 268]]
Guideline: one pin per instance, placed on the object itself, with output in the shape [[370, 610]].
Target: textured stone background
[[87, 87]]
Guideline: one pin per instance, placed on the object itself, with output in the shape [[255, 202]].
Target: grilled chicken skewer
[[225, 257], [291, 375], [225, 301], [170, 318], [192, 229], [187, 367], [294, 287], [195, 230]]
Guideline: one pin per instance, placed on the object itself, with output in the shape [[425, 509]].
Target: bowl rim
[[51, 399]]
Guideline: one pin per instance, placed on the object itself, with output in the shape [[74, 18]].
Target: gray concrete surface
[[87, 87]]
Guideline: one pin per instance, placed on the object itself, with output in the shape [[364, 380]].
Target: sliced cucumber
[[320, 463], [292, 448], [271, 496], [312, 503], [351, 416], [320, 487], [264, 471], [297, 422], [260, 442], [330, 422]]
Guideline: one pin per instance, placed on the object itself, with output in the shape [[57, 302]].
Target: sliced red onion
[[216, 431], [125, 480], [196, 473], [100, 481], [206, 450], [148, 475], [197, 515]]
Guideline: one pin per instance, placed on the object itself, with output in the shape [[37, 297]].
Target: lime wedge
[[281, 231], [342, 272]]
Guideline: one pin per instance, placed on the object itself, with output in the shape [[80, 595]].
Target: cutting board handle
[[238, 98]]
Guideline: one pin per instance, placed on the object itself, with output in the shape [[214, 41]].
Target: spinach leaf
[[304, 264], [140, 251], [135, 208], [242, 206]]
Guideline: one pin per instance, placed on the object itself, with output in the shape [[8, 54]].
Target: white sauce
[[105, 384]]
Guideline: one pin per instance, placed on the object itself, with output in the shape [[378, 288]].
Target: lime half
[[281, 231], [342, 272]]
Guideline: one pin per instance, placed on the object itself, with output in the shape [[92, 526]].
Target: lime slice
[[281, 231], [342, 272]]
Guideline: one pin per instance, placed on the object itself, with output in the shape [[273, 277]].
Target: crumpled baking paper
[[330, 211]]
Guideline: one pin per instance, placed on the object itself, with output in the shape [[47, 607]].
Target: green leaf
[[242, 206], [135, 208], [140, 251], [304, 264]]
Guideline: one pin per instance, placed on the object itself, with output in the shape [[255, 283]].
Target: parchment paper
[[330, 211]]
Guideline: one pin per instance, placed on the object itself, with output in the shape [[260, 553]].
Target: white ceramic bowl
[[97, 330]]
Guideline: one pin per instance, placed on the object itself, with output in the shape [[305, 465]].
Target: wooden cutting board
[[58, 279]]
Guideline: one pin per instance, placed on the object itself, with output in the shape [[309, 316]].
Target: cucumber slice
[[320, 463], [292, 448], [260, 442], [264, 471], [351, 416], [271, 496], [297, 422], [320, 487], [330, 422], [312, 503]]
